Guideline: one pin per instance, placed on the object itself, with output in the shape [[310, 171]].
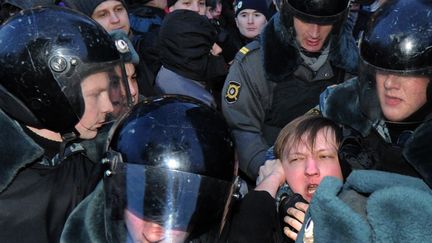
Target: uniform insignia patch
[[233, 92]]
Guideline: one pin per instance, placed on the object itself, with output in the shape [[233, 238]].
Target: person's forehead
[[105, 5]]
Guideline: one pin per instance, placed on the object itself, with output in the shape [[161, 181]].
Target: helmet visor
[[165, 205]]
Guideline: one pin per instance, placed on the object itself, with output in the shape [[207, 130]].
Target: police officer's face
[[143, 231], [198, 6], [250, 23], [112, 15], [95, 92], [400, 96], [305, 165], [311, 37]]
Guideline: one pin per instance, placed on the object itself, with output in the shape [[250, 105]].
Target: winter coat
[[371, 206], [366, 143], [37, 194]]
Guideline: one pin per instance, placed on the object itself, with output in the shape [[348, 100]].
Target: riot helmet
[[397, 40], [45, 56], [25, 4], [321, 12], [171, 164]]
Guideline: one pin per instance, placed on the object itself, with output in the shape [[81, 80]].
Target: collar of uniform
[[340, 103], [17, 150], [417, 151]]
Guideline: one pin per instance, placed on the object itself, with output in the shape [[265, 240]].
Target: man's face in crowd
[[400, 96], [311, 37], [305, 165], [95, 92], [112, 15], [198, 6], [250, 23]]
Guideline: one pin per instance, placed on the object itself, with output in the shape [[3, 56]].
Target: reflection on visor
[[174, 200], [168, 198]]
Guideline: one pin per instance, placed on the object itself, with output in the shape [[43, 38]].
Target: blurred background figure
[[189, 62]]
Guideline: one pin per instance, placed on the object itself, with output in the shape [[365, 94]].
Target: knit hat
[[86, 6], [258, 5]]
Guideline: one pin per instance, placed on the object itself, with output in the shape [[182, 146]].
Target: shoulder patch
[[245, 50], [233, 92]]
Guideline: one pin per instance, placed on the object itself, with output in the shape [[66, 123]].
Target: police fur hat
[[86, 6]]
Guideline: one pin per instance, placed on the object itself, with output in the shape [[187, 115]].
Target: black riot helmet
[[397, 39], [45, 53], [171, 163], [322, 12], [25, 4]]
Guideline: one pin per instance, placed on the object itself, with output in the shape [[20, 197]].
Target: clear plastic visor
[[161, 205]]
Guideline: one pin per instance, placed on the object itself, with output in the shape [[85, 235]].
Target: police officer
[[170, 176], [386, 112], [386, 116], [303, 49], [56, 67]]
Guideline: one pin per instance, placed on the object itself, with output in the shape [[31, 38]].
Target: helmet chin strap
[[66, 139]]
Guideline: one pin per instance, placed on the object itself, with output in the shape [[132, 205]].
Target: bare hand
[[271, 168], [295, 219], [271, 176]]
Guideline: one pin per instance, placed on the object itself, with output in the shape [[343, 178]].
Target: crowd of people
[[215, 121]]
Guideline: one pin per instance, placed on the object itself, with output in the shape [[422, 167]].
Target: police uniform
[[269, 85], [367, 144]]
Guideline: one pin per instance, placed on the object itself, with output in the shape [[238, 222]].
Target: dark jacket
[[268, 85], [145, 25], [36, 196], [255, 220]]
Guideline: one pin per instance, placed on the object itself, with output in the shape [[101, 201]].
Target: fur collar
[[87, 222], [417, 151], [281, 57], [17, 150], [340, 103]]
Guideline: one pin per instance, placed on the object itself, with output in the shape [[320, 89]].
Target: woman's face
[[400, 96], [306, 165], [250, 23]]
